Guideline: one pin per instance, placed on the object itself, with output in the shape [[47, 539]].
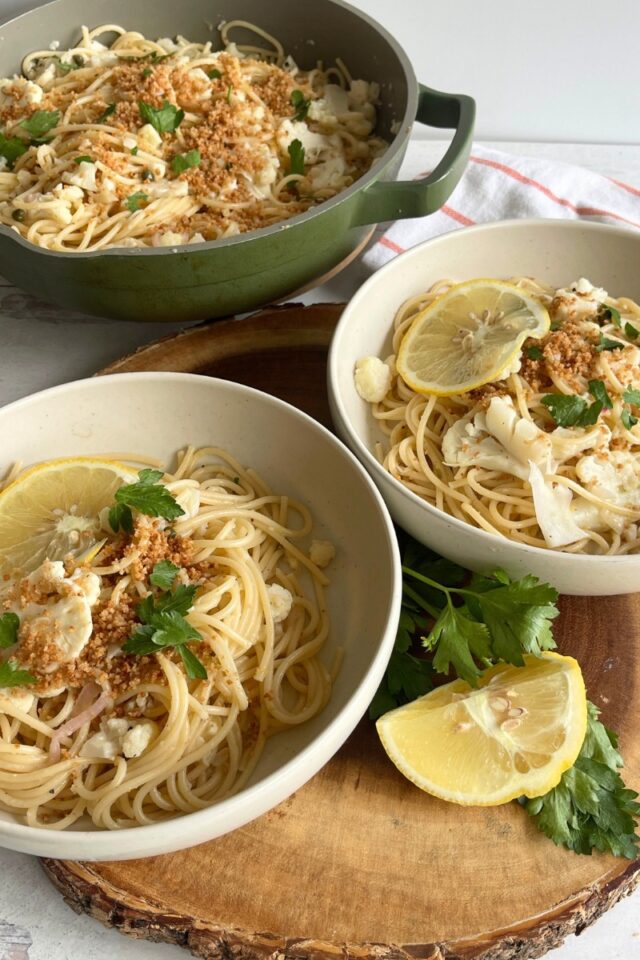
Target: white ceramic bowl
[[157, 414], [554, 251]]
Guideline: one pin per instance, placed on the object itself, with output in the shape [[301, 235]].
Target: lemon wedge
[[471, 335], [514, 734], [51, 510]]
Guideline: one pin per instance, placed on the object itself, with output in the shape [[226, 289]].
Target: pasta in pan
[[147, 672], [133, 142]]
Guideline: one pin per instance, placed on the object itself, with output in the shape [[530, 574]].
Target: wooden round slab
[[359, 862]]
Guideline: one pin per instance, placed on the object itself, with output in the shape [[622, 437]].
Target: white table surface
[[40, 347]]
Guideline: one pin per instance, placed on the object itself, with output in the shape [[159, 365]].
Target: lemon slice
[[513, 735], [469, 336], [52, 510]]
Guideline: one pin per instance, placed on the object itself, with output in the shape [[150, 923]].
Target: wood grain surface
[[359, 862]]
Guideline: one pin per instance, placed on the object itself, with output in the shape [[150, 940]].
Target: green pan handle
[[416, 198]]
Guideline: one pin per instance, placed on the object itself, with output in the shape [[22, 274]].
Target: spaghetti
[[581, 491], [141, 143], [129, 738]]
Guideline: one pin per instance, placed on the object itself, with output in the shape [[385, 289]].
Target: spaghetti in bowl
[[506, 474], [148, 737]]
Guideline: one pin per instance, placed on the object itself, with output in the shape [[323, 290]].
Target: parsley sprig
[[136, 201], [164, 119], [184, 161], [11, 148], [163, 624], [574, 411], [591, 808], [40, 123], [147, 496], [483, 621], [300, 104], [296, 157], [11, 674]]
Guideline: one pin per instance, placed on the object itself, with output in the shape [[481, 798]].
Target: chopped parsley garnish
[[574, 411], [11, 148], [607, 313], [631, 396], [136, 201], [606, 343], [591, 809], [147, 72], [40, 123], [628, 419], [147, 496], [84, 159], [12, 676], [134, 151], [300, 104], [494, 619], [534, 353], [163, 574], [296, 157], [9, 626], [214, 74], [163, 624], [183, 161], [165, 119], [631, 332], [106, 113]]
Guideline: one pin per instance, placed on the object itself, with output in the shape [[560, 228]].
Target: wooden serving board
[[359, 862]]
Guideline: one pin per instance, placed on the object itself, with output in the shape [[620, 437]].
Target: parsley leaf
[[9, 625], [628, 419], [608, 313], [12, 676], [574, 411], [163, 574], [84, 159], [147, 72], [565, 410], [146, 496], [106, 113], [214, 74], [136, 201], [605, 343], [300, 104], [11, 148], [534, 353], [134, 151], [163, 624], [591, 809], [631, 332], [631, 396], [183, 161], [41, 122], [296, 157], [165, 119], [457, 640]]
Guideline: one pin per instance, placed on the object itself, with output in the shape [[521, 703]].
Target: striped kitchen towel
[[499, 186]]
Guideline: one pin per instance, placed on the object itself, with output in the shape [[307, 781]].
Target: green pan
[[222, 277]]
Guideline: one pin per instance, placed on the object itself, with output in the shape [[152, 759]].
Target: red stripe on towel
[[521, 178]]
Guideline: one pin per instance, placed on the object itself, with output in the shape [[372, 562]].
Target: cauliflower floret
[[280, 602], [322, 552], [84, 177], [148, 138], [314, 143], [119, 737], [577, 301], [552, 504], [372, 379], [16, 697]]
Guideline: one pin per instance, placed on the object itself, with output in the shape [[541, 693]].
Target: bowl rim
[[384, 274], [100, 843], [396, 145]]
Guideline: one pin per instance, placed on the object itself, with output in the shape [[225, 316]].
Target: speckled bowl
[[157, 414], [555, 251]]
